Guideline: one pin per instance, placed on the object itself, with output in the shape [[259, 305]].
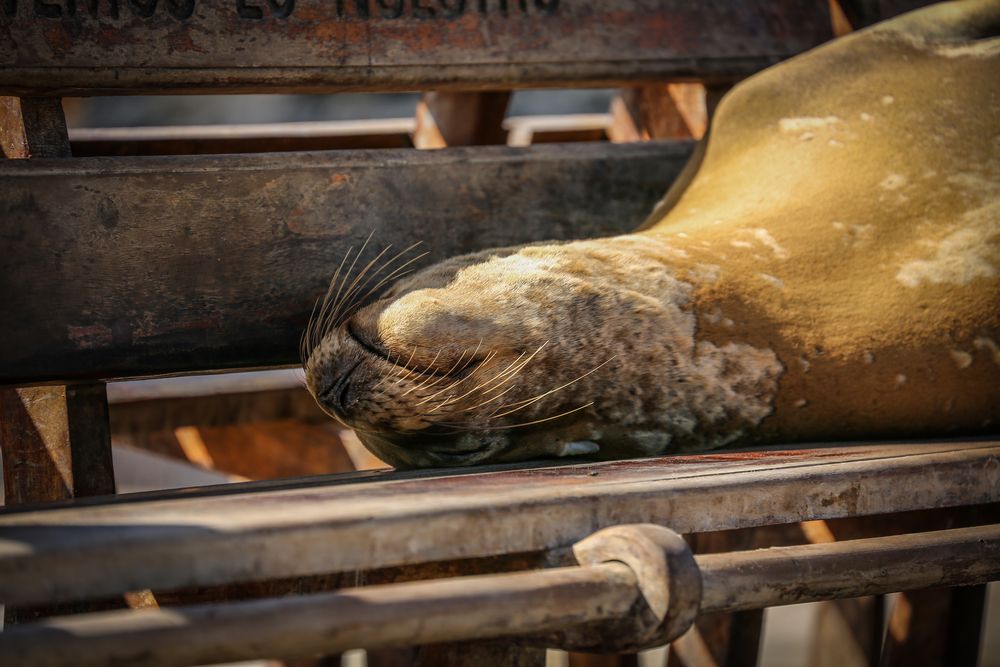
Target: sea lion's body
[[827, 268]]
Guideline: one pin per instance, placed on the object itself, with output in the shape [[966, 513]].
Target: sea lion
[[826, 268]]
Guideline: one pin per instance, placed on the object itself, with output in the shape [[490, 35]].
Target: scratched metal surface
[[106, 45], [263, 531]]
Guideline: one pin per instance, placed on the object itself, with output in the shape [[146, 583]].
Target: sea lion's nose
[[336, 395]]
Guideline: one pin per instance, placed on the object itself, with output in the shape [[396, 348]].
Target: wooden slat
[[527, 130], [127, 266], [314, 45], [245, 535], [242, 138]]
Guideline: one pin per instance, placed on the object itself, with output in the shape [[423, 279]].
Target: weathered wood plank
[[242, 138], [402, 519], [114, 267], [64, 47]]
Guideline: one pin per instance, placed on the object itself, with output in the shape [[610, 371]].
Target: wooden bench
[[140, 265]]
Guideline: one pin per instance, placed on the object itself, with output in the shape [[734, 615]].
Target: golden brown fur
[[828, 268]]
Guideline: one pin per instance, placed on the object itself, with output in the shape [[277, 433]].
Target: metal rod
[[408, 614], [743, 580], [257, 533], [503, 605]]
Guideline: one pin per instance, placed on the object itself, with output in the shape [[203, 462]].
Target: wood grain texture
[[56, 443], [241, 533], [936, 627], [461, 119], [33, 127], [128, 266], [312, 45], [38, 465]]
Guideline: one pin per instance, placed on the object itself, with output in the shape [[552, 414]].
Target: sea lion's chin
[[428, 450]]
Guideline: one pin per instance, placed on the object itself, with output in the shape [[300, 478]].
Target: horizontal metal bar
[[408, 614], [743, 580], [492, 606], [332, 526]]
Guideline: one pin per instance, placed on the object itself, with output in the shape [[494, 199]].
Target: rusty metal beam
[[620, 587]]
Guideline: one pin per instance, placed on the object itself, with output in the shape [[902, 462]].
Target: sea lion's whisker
[[454, 384], [396, 273], [350, 270], [520, 405], [461, 428], [426, 378], [386, 372], [513, 373], [443, 376], [486, 382], [342, 299], [329, 300], [311, 327], [352, 298], [355, 284], [406, 367], [490, 400], [484, 364]]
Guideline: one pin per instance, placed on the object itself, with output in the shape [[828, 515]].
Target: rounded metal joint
[[668, 577]]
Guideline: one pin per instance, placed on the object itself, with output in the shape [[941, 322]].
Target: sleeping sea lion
[[825, 268]]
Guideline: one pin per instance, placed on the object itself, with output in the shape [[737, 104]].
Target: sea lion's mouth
[[434, 450], [376, 349], [372, 348]]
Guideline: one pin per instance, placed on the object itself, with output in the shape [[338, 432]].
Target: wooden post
[[937, 627], [479, 654], [55, 440], [720, 640], [663, 111], [461, 119], [848, 633], [56, 444], [33, 127]]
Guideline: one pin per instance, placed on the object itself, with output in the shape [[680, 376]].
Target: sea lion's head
[[498, 356]]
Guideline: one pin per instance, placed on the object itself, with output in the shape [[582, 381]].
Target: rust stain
[[753, 456], [90, 337], [58, 39], [110, 36], [180, 42], [159, 328], [336, 180]]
